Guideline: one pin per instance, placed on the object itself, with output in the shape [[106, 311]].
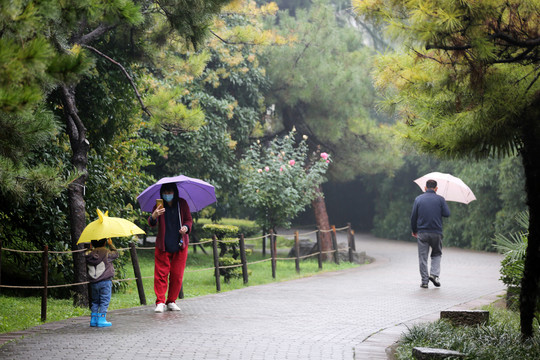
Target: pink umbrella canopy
[[197, 193], [450, 187]]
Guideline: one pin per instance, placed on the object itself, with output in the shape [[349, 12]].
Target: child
[[100, 273]]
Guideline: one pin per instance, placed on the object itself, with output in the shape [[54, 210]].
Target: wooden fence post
[[273, 252], [243, 258], [45, 271], [350, 234], [297, 250], [350, 241], [137, 272], [144, 236], [1, 263], [216, 263], [264, 243], [319, 245], [334, 245]]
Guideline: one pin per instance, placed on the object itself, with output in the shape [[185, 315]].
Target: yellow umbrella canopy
[[107, 227]]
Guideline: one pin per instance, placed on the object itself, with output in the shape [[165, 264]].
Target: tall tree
[[466, 83], [321, 84], [54, 41], [229, 88]]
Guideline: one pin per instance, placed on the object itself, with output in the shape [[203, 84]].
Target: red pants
[[169, 268]]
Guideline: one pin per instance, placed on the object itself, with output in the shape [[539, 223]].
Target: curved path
[[351, 314]]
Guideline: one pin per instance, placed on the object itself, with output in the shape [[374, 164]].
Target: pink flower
[[292, 162], [259, 171], [266, 169], [324, 156], [281, 168], [327, 161]]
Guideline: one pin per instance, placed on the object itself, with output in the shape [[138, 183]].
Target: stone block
[[306, 247], [466, 317], [423, 353]]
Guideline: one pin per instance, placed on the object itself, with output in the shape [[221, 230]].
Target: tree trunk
[[79, 160], [531, 274], [321, 217]]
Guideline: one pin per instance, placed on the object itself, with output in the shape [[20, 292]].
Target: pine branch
[[70, 109], [229, 42], [419, 54], [448, 48], [518, 58], [139, 98], [94, 34], [530, 43], [532, 82]]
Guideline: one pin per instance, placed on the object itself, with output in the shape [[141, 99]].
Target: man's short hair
[[431, 184]]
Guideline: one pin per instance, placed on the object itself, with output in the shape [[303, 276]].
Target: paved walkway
[[352, 314]]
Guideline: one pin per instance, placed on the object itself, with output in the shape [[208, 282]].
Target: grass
[[500, 339], [19, 313]]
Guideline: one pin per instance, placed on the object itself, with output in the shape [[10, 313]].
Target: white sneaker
[[173, 307], [160, 308]]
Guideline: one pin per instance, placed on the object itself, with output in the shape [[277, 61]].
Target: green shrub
[[230, 273], [228, 245], [513, 247], [221, 231], [247, 227], [500, 339]]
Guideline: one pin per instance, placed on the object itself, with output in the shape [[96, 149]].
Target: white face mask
[[168, 197]]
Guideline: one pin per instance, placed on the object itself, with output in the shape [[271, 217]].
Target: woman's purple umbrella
[[197, 193]]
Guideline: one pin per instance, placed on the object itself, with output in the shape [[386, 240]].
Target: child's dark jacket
[[99, 264]]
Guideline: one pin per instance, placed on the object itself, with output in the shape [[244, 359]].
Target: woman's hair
[[169, 187], [98, 243]]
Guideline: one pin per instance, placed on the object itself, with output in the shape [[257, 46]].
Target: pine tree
[[466, 83], [47, 47], [322, 86]]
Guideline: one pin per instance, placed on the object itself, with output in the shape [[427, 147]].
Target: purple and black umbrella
[[197, 193]]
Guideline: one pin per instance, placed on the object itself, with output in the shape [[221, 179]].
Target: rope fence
[[217, 268]]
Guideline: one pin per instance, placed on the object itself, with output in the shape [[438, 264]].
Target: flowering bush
[[279, 181]]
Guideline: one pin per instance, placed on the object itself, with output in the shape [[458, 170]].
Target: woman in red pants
[[174, 222]]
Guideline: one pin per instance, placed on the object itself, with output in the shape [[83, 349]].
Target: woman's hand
[[158, 211], [183, 230]]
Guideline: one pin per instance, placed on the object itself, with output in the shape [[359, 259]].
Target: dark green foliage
[[246, 227], [230, 273], [191, 18], [494, 182], [466, 84], [221, 231], [500, 339], [41, 220], [514, 246], [22, 172], [232, 107], [228, 248], [321, 84]]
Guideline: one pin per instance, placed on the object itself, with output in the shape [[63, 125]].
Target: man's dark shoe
[[435, 280], [424, 285]]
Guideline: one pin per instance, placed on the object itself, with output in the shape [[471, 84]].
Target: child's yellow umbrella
[[107, 227]]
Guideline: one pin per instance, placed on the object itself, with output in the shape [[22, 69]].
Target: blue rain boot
[[93, 319], [102, 320]]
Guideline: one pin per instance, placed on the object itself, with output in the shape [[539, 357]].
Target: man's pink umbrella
[[197, 193], [450, 187]]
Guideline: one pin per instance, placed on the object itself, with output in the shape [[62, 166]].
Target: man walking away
[[426, 224]]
